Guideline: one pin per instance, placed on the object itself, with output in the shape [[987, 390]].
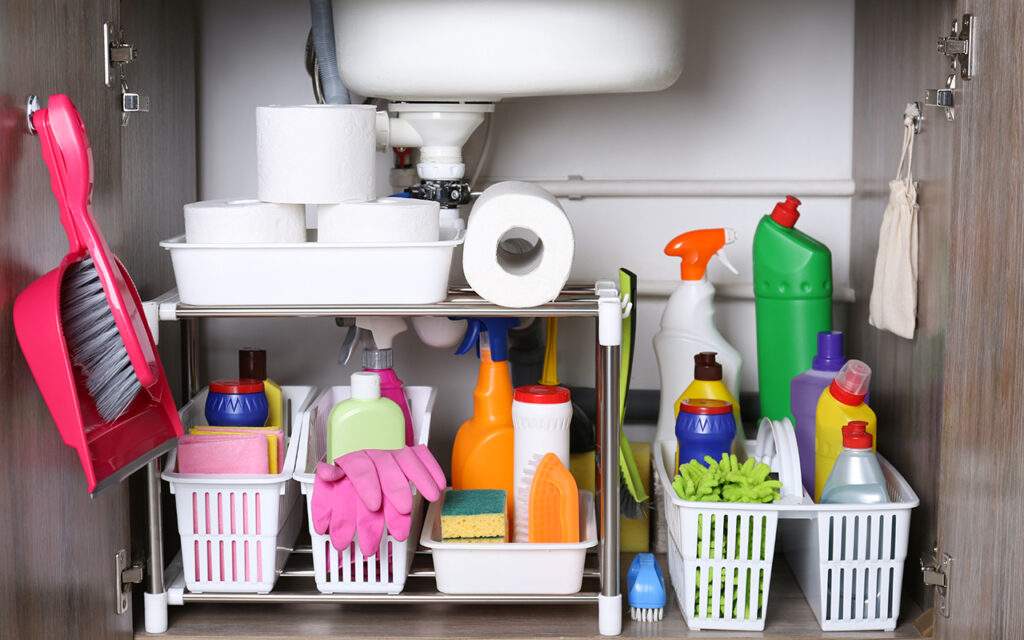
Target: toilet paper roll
[[315, 153], [519, 245], [244, 221], [383, 220]]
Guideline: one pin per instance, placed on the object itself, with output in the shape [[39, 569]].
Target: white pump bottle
[[688, 325]]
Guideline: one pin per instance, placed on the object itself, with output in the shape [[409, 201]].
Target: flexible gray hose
[[322, 14]]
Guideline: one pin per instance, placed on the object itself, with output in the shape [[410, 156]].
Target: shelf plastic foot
[[156, 612], [609, 613]]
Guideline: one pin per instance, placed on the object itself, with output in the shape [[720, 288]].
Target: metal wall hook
[[31, 106], [913, 111]]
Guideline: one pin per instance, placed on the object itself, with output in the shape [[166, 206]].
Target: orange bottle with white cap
[[688, 324]]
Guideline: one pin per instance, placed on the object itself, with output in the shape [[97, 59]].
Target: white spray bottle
[[688, 324]]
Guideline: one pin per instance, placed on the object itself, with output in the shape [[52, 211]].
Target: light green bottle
[[364, 421], [793, 302]]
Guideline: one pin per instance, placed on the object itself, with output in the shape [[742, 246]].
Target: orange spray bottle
[[688, 324], [483, 455]]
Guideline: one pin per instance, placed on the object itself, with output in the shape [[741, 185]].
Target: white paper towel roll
[[315, 153], [519, 245], [244, 221], [383, 220]]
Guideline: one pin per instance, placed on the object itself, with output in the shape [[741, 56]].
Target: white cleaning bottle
[[688, 324]]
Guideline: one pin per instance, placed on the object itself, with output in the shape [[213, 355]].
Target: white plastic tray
[[848, 559], [510, 567], [348, 571], [312, 272], [237, 530]]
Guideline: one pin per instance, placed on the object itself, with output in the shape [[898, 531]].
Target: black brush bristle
[[94, 342], [629, 506]]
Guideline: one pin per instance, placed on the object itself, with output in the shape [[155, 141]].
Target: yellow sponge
[[474, 514]]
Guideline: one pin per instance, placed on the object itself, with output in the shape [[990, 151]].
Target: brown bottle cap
[[705, 367], [252, 363]]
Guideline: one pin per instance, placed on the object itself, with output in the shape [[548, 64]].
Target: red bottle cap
[[242, 385], [855, 436], [851, 383], [785, 213], [705, 406], [541, 394]]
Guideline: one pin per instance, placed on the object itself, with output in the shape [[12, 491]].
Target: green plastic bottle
[[365, 420], [793, 302]]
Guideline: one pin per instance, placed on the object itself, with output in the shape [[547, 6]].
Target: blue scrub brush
[[645, 587]]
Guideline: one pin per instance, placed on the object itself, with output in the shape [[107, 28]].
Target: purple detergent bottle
[[805, 390]]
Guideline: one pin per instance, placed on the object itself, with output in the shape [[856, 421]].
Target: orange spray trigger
[[695, 249]]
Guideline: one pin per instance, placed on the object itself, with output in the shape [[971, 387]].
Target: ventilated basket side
[[721, 557], [348, 571], [237, 530], [849, 560]]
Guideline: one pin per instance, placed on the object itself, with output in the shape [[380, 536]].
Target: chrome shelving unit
[[599, 301]]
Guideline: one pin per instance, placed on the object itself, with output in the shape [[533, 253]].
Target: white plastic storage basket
[[720, 556], [237, 530], [348, 571], [313, 272], [849, 559], [510, 567]]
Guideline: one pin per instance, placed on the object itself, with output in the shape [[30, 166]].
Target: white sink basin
[[485, 50]]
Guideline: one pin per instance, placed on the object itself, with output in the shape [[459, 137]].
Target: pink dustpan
[[109, 449]]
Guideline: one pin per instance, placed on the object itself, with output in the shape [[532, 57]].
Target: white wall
[[766, 94]]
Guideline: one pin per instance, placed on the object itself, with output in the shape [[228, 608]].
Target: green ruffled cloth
[[726, 481]]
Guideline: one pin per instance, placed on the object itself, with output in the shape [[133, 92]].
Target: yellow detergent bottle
[[707, 383], [840, 404], [252, 363]]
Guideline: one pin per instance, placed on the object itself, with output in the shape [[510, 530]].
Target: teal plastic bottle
[[793, 303]]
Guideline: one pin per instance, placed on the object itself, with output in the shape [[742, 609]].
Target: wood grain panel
[[895, 62], [158, 152], [981, 516], [58, 546]]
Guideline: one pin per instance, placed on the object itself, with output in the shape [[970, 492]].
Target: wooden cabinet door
[[57, 545], [981, 511]]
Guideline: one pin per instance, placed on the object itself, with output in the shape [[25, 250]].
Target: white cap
[[365, 385]]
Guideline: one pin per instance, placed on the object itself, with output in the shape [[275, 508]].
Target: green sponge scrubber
[[477, 515]]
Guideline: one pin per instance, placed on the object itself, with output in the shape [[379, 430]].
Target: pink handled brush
[[82, 330]]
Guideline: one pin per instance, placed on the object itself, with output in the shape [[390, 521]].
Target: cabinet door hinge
[[959, 46], [125, 575], [117, 55], [937, 571]]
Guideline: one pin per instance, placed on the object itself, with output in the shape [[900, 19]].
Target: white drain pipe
[[577, 187]]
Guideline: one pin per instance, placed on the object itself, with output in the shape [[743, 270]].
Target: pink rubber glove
[[359, 469], [398, 524], [396, 469], [420, 467], [364, 491], [369, 528], [393, 482], [343, 516], [365, 510], [322, 503]]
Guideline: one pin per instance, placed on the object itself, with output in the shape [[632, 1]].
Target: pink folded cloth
[[241, 453], [277, 434]]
